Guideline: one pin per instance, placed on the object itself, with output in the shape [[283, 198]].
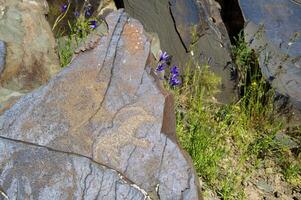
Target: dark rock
[[156, 17], [104, 112], [274, 29], [187, 16], [2, 55], [174, 22]]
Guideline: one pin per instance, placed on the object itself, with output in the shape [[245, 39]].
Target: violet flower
[[163, 56], [161, 67], [175, 70], [64, 8], [164, 62], [93, 24], [174, 80]]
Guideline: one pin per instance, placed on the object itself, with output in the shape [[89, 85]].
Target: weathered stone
[[274, 29], [186, 25], [30, 59], [105, 108], [33, 172]]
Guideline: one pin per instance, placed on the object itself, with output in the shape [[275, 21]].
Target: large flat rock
[[106, 114], [33, 172], [273, 29]]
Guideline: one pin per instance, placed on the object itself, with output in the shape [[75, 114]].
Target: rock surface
[[274, 30], [30, 59], [34, 172], [104, 119], [175, 20]]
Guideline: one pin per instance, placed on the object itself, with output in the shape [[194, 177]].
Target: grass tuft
[[228, 143]]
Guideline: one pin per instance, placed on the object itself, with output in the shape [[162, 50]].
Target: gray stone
[[30, 59], [175, 20], [263, 185], [32, 172], [105, 108], [273, 29], [286, 141]]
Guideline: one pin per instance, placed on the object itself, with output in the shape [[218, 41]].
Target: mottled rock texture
[[273, 29], [30, 59], [103, 119], [33, 172], [185, 25]]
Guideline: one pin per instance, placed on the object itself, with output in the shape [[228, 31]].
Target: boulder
[[30, 58], [103, 128], [273, 29], [189, 27]]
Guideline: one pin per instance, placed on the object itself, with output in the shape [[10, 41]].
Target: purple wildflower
[[174, 80], [164, 62], [163, 56], [93, 24], [64, 8], [174, 70], [161, 67]]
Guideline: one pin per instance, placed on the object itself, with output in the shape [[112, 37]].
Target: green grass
[[78, 31], [228, 143], [291, 172]]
